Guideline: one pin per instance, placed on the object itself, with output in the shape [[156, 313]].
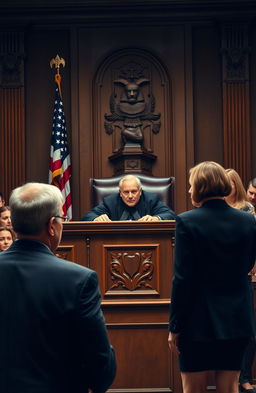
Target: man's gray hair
[[32, 206], [130, 177]]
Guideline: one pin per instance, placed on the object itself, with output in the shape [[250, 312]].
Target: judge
[[131, 203]]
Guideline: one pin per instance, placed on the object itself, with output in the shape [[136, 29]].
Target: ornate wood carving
[[129, 87], [132, 159], [133, 111], [131, 108], [11, 60], [237, 136], [11, 70], [132, 269], [66, 252]]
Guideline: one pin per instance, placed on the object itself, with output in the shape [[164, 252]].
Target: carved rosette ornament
[[235, 64], [11, 74], [131, 271], [131, 109], [12, 60]]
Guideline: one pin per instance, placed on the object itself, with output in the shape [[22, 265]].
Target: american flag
[[60, 165]]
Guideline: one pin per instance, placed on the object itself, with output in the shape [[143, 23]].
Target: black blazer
[[215, 250], [52, 333], [114, 207]]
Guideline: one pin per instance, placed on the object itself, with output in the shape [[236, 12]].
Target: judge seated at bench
[[131, 203]]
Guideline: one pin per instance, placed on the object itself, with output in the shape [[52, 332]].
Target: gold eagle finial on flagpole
[[57, 63]]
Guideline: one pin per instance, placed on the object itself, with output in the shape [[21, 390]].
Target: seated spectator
[[131, 203], [251, 192], [238, 198], [7, 237], [5, 217], [2, 201]]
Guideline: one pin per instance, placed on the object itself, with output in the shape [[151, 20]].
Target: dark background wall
[[202, 61]]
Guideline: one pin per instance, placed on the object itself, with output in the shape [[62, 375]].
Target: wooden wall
[[202, 65]]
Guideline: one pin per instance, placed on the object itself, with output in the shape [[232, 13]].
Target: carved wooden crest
[[132, 108], [131, 270]]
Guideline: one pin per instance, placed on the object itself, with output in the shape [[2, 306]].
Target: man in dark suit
[[251, 192], [131, 203], [52, 330]]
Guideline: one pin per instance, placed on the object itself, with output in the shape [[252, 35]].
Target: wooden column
[[236, 121], [12, 146]]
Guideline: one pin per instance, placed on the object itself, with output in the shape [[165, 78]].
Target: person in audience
[[5, 217], [211, 318], [2, 201], [54, 337], [251, 192], [238, 199], [7, 237], [131, 203]]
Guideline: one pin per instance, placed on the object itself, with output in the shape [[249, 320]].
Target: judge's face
[[130, 192]]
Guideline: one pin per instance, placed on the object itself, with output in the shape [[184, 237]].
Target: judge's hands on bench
[[105, 218]]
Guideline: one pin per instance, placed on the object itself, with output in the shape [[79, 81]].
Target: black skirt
[[213, 355]]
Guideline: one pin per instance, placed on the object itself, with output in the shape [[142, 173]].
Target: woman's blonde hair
[[240, 193], [208, 179]]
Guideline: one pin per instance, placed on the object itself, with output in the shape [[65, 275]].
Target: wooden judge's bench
[[134, 262]]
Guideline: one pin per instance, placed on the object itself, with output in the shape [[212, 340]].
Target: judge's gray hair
[[32, 206], [130, 177]]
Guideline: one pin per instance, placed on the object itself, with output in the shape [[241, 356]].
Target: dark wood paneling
[[185, 39], [12, 117], [236, 121], [42, 46], [208, 142]]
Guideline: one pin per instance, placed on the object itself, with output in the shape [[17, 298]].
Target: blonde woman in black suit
[[211, 319]]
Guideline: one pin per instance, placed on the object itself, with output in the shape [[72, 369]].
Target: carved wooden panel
[[236, 121], [12, 124], [131, 269], [115, 115], [145, 345], [66, 252]]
